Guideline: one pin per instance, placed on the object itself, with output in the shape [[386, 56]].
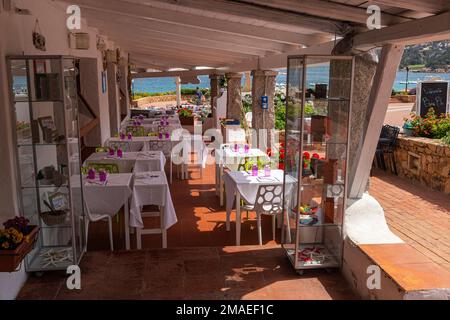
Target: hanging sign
[[264, 102]]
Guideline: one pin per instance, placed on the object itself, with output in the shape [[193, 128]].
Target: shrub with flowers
[[16, 231], [430, 126], [184, 112], [280, 156]]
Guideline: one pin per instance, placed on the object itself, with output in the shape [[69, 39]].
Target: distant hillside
[[433, 55]]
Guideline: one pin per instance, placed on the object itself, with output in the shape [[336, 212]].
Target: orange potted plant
[[17, 239]]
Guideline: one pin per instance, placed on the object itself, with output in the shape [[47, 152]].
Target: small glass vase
[[255, 170]]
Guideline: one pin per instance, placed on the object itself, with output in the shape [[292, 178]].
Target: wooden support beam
[[211, 24], [226, 10], [327, 9], [148, 36], [278, 60], [380, 94], [430, 6], [97, 17], [190, 73], [428, 29]]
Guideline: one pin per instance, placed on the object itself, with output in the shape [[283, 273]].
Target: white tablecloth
[[151, 188], [247, 185], [229, 157], [108, 198], [141, 161]]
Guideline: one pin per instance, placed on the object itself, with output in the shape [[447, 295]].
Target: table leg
[[221, 184], [238, 218], [163, 228], [138, 239], [127, 225], [170, 159]]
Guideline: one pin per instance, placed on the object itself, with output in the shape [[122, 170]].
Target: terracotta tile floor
[[418, 215], [200, 263]]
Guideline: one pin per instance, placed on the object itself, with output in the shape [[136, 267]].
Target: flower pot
[[53, 218], [187, 121], [11, 259]]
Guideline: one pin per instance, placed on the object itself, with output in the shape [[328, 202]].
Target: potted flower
[[17, 239], [186, 116]]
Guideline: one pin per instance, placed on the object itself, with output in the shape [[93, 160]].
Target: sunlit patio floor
[[417, 214], [200, 263]]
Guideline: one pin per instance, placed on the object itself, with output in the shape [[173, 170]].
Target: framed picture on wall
[[104, 81]]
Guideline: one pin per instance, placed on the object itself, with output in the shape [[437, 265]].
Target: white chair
[[94, 217], [269, 201]]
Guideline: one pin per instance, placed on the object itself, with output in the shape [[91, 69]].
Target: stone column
[[263, 84], [214, 80], [234, 98]]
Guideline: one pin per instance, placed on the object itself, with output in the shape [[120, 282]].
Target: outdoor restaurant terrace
[[198, 198]]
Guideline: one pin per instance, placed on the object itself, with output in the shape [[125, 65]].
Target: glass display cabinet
[[318, 109], [44, 107]]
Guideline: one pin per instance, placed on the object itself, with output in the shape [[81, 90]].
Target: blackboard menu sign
[[433, 94]]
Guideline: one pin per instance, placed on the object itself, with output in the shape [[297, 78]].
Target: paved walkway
[[418, 215]]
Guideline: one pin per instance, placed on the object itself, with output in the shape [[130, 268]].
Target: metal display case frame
[[317, 155], [44, 105]]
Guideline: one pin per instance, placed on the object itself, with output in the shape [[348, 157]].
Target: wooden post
[[376, 112]]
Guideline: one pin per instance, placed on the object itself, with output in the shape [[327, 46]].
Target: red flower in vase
[[315, 156], [269, 152], [306, 155], [281, 166]]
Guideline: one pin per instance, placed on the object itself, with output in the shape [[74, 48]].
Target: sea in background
[[316, 75]]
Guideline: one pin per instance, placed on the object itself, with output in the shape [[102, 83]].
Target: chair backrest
[[391, 133], [136, 131], [269, 199], [101, 149], [161, 145]]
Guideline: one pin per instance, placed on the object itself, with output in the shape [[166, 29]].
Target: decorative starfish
[[52, 257]]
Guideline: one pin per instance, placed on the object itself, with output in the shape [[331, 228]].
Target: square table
[[137, 161], [242, 184], [152, 188], [108, 198], [227, 157]]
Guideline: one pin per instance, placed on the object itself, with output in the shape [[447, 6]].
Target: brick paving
[[418, 215]]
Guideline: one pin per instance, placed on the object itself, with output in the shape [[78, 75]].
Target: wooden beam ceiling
[[97, 18], [249, 14], [326, 9], [189, 20], [142, 34], [430, 6], [433, 28]]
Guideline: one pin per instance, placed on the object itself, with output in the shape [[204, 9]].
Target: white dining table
[[241, 184], [108, 198], [227, 157], [137, 161], [152, 188]]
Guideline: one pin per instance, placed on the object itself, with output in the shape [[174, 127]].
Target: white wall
[[16, 39]]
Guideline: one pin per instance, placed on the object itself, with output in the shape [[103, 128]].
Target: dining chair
[[94, 217], [269, 201]]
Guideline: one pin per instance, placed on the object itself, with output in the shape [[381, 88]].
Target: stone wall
[[148, 100], [424, 160]]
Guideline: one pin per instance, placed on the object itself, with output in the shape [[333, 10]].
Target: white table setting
[[137, 161], [243, 185], [107, 197], [152, 188], [231, 158]]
